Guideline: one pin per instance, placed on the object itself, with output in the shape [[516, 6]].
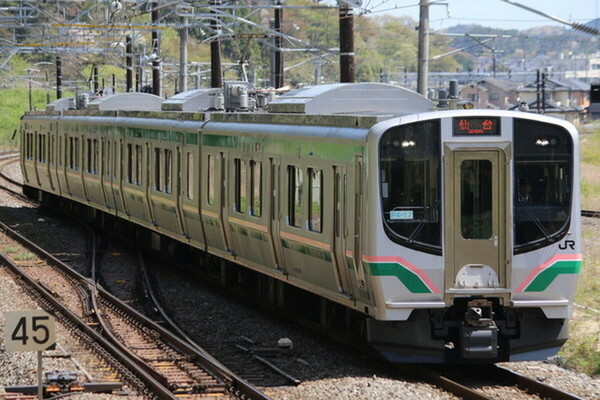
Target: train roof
[[358, 105], [351, 98]]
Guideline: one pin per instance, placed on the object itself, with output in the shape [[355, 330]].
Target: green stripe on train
[[413, 283], [308, 250], [547, 276], [334, 151]]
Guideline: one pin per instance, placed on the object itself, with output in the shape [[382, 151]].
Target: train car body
[[455, 233]]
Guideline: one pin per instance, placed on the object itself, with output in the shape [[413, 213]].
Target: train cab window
[[210, 192], [168, 171], [256, 188], [543, 181], [240, 185], [295, 189], [315, 195], [410, 176], [189, 186]]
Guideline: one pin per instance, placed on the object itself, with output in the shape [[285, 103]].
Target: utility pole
[[155, 51], [183, 55], [58, 77], [216, 76], [423, 55], [129, 64], [346, 42], [95, 78], [277, 77], [543, 92]]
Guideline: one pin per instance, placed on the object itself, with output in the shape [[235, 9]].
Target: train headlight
[[467, 105]]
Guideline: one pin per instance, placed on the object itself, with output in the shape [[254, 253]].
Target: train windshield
[[542, 185], [410, 170]]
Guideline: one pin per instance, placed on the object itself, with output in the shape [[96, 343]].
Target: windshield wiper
[[421, 224], [535, 219]]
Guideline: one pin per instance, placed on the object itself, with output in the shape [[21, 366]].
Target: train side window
[[41, 147], [189, 187], [76, 161], [256, 188], [168, 171], [129, 163], [116, 157], [60, 151], [95, 155], [210, 193], [28, 146], [295, 207], [315, 194], [51, 150], [157, 169], [106, 159], [240, 185], [71, 153], [89, 155], [138, 164]]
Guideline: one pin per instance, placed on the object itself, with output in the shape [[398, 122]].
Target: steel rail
[[590, 213], [236, 385], [433, 377], [187, 344], [531, 385], [67, 315], [174, 326]]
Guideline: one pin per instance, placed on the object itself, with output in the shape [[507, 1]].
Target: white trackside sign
[[29, 330]]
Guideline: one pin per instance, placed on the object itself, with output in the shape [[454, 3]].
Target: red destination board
[[476, 126]]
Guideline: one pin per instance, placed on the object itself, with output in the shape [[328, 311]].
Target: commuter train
[[455, 233]]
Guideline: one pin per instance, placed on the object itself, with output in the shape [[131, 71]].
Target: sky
[[492, 13]]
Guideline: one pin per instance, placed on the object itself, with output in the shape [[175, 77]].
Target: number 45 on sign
[[29, 331]]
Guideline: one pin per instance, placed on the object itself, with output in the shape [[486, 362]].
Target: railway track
[[6, 182], [465, 382], [143, 352], [245, 357]]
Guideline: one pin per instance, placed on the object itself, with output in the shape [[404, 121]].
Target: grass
[[582, 350], [13, 103], [19, 254]]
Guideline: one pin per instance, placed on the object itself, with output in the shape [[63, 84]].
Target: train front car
[[474, 250]]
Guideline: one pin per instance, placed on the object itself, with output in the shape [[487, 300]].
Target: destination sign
[[476, 126]]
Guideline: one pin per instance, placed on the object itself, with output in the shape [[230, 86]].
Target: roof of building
[[504, 84], [553, 85]]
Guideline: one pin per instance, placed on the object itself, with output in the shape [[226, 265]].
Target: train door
[[223, 199], [476, 215], [340, 225], [274, 191], [56, 157], [178, 191]]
